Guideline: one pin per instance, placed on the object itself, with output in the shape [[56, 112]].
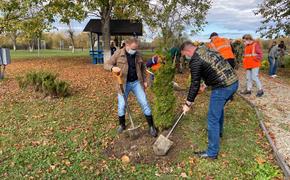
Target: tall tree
[[276, 18], [108, 9], [172, 17], [67, 11], [103, 10]]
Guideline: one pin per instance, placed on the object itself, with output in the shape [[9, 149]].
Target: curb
[[279, 158]]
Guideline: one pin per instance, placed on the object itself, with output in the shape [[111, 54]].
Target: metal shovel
[[163, 144], [134, 131]]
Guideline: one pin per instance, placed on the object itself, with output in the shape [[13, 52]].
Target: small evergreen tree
[[164, 102]]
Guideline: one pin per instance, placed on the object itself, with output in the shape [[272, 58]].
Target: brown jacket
[[119, 59]]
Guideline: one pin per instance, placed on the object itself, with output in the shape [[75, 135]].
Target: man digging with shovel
[[128, 63], [217, 73]]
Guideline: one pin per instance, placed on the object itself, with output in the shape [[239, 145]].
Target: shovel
[[163, 144], [134, 131]]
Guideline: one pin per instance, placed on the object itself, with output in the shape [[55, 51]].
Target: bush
[[44, 82], [165, 102], [264, 65]]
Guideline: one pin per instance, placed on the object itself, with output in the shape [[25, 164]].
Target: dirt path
[[275, 106]]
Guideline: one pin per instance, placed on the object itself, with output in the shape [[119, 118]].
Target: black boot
[[122, 125], [152, 130]]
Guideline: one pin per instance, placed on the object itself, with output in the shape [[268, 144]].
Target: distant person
[[253, 56], [282, 52], [113, 48], [273, 59], [175, 54], [223, 46]]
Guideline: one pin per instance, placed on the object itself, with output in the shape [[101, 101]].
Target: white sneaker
[[273, 76]]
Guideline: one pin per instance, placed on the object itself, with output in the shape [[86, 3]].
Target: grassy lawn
[[67, 138], [50, 53], [25, 54]]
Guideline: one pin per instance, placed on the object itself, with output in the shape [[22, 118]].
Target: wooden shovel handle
[[118, 75]]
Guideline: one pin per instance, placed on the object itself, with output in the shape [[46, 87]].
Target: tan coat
[[119, 59]]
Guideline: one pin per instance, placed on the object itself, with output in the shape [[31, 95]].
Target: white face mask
[[247, 42], [187, 57], [132, 51]]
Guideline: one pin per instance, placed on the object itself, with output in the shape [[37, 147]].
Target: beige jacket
[[119, 59]]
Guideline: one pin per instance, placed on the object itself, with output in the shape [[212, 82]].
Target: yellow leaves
[[66, 162], [260, 160], [125, 159]]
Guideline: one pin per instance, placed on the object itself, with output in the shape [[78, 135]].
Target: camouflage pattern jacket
[[210, 67]]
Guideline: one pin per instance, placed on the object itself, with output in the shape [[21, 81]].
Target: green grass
[[65, 139], [25, 54]]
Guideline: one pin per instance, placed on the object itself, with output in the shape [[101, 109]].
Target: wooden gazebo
[[117, 28]]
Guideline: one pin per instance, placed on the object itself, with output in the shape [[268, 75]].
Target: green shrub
[[165, 102], [264, 65], [44, 82]]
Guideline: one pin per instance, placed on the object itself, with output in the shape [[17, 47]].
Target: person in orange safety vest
[[253, 56], [223, 46]]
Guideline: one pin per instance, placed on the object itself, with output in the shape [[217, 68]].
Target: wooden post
[[98, 42], [92, 42]]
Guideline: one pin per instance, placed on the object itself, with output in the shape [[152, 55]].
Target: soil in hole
[[140, 150]]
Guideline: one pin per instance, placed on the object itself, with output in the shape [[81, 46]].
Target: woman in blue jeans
[[273, 59]]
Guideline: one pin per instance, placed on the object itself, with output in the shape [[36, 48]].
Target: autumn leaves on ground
[[42, 137]]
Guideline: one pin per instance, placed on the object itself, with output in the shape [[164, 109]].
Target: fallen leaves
[[125, 159], [260, 160]]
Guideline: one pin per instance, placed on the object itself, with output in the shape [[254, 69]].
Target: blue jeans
[[219, 97], [138, 91], [273, 65]]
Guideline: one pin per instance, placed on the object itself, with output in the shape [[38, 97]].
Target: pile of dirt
[[140, 150]]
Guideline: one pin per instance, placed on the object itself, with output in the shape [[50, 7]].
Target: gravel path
[[275, 106]]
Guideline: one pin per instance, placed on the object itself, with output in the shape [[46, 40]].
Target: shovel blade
[[162, 145], [133, 133]]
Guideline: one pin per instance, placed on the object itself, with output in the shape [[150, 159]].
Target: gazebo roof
[[117, 27]]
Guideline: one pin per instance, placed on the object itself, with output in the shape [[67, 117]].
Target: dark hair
[[185, 44]]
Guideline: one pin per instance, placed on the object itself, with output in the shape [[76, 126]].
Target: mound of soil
[[140, 150]]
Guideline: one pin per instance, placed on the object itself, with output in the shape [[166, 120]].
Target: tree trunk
[[106, 37]]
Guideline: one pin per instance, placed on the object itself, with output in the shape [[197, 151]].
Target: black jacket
[[209, 66]]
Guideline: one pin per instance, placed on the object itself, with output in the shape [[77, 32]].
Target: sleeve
[[143, 71], [195, 69], [108, 65], [149, 63], [259, 52]]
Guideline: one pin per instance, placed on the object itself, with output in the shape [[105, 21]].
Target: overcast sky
[[229, 18]]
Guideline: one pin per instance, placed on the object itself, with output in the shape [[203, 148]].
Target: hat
[[213, 34]]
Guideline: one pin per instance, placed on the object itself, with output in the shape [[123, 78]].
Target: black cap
[[213, 34]]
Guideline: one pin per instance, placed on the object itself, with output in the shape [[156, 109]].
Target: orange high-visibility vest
[[250, 57], [155, 67], [223, 46]]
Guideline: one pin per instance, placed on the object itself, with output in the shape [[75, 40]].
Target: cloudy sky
[[229, 18]]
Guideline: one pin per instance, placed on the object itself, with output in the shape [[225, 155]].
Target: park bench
[[97, 56]]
